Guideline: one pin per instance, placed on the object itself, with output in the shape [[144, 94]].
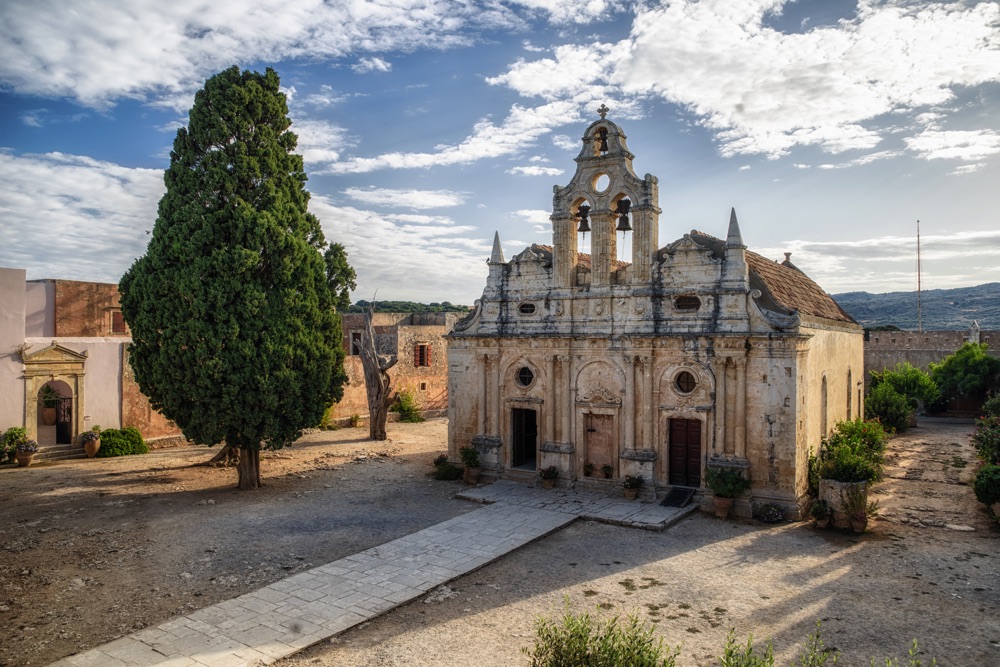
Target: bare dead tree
[[377, 381]]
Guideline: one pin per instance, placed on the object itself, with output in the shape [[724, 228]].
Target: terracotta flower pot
[[471, 475], [723, 506], [48, 416], [92, 447], [24, 460], [859, 525], [630, 494], [823, 523], [548, 483]]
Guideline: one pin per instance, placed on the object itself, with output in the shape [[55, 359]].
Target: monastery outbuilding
[[700, 353]]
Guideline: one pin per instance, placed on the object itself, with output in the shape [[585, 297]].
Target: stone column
[[720, 407], [629, 407], [483, 360], [497, 404], [566, 399], [740, 430], [550, 398]]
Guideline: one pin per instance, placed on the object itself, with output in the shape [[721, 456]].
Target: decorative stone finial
[[603, 111]]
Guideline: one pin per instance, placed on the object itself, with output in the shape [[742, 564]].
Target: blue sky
[[426, 125]]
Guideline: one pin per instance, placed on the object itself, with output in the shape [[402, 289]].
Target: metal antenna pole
[[920, 324]]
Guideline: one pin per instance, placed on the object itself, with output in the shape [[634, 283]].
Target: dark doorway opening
[[524, 438], [64, 422], [685, 452]]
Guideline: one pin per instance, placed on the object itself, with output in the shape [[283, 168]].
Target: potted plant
[[26, 451], [12, 437], [607, 471], [631, 486], [588, 469], [91, 441], [549, 476], [854, 500], [820, 510], [473, 466], [49, 398], [771, 513], [726, 483]]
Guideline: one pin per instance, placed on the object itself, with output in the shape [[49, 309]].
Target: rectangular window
[[355, 343], [422, 354], [117, 323]]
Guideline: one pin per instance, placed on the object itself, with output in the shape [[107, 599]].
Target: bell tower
[[605, 196]]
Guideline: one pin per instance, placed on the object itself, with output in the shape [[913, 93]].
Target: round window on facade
[[685, 382], [525, 377], [687, 303], [526, 309]]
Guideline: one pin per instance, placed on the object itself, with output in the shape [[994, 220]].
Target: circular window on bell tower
[[525, 377]]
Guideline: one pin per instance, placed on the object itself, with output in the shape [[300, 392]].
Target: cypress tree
[[234, 333]]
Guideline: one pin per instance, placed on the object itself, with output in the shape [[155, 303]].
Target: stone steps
[[60, 453]]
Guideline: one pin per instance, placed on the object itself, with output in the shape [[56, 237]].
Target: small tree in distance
[[234, 333]]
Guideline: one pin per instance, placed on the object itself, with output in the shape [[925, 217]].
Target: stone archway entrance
[[64, 370]]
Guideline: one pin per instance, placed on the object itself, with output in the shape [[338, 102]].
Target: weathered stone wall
[[85, 309], [398, 333], [12, 315], [136, 410], [885, 349]]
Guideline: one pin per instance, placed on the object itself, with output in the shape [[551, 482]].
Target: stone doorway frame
[[54, 362]]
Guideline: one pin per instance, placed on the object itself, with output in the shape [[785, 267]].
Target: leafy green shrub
[[913, 660], [986, 439], [815, 654], [845, 464], [122, 442], [446, 470], [909, 381], [407, 407], [987, 484], [734, 655], [991, 406], [889, 407], [726, 482], [12, 437], [470, 457], [969, 372], [867, 436], [580, 641]]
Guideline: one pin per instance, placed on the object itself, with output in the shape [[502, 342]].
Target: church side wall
[[12, 314], [463, 396], [833, 371]]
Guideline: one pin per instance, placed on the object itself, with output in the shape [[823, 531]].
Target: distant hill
[[942, 309], [407, 307]]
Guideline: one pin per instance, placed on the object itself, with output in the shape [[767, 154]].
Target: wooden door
[[685, 452], [524, 438], [600, 441]]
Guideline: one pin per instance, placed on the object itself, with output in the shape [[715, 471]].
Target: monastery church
[[698, 353]]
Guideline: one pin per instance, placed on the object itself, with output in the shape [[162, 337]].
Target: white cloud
[[968, 168], [566, 143], [403, 261], [522, 127], [535, 171], [934, 144], [890, 261], [416, 199], [537, 218], [103, 51], [366, 65], [764, 91], [573, 11], [319, 141], [69, 216]]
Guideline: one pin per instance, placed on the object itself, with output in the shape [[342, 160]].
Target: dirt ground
[[91, 550]]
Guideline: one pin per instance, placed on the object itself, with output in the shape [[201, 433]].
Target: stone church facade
[[693, 354]]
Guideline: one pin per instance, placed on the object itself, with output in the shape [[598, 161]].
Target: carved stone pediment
[[527, 256], [54, 354], [599, 394]]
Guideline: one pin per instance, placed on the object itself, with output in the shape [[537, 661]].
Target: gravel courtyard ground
[[91, 550]]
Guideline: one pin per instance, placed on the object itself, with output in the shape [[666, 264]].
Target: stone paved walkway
[[291, 614]]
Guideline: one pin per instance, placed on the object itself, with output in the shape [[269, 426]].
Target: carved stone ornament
[[640, 307], [559, 308], [599, 394], [599, 308]]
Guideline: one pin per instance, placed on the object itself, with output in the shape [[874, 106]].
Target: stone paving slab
[[585, 504], [276, 621]]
